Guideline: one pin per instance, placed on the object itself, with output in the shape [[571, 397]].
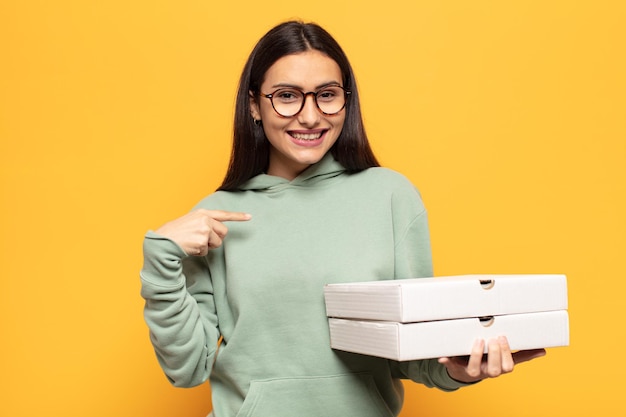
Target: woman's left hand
[[498, 360]]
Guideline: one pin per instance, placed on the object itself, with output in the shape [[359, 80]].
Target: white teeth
[[307, 136]]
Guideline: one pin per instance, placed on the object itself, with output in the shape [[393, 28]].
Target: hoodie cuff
[[162, 260]]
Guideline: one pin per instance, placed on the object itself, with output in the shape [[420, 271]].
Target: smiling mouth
[[307, 136]]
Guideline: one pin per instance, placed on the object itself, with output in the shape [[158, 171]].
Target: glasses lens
[[287, 102], [331, 100]]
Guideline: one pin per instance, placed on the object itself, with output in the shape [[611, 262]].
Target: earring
[[257, 122]]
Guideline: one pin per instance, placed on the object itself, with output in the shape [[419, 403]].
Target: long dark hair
[[250, 152]]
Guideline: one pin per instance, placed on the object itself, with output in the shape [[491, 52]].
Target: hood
[[325, 169]]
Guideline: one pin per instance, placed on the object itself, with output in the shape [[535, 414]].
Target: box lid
[[450, 297]]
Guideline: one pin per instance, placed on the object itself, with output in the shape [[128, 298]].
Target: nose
[[310, 115]]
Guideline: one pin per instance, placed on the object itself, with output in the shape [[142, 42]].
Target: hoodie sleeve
[[179, 311], [413, 256], [413, 259]]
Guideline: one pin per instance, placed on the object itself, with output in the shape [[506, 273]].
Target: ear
[[254, 107]]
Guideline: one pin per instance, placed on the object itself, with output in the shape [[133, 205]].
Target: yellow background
[[115, 116]]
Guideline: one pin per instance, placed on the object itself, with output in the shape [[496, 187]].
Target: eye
[[287, 96], [328, 94]]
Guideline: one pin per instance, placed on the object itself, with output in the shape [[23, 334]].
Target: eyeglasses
[[288, 102]]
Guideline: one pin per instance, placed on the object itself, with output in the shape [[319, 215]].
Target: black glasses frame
[[346, 94]]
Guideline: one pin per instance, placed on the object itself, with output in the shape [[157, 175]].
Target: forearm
[[184, 340]]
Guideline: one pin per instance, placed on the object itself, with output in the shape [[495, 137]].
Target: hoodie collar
[[326, 168]]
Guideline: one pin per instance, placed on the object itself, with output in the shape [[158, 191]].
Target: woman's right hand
[[200, 230]]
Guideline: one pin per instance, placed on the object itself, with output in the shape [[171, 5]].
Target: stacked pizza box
[[438, 317]]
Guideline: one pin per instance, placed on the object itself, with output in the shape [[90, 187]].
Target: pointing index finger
[[228, 216]]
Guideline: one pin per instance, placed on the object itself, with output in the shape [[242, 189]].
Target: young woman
[[306, 204]]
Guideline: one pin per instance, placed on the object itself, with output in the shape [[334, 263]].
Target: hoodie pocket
[[327, 396]]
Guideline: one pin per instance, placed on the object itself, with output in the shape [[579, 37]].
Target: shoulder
[[388, 179], [403, 195], [221, 200]]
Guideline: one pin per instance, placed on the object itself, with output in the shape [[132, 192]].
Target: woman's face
[[298, 141]]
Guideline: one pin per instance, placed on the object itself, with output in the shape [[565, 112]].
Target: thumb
[[526, 355]]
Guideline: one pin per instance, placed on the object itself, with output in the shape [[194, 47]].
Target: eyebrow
[[287, 85]]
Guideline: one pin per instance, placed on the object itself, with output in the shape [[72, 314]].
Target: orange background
[[115, 117]]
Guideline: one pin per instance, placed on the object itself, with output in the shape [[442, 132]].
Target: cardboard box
[[434, 339], [441, 298]]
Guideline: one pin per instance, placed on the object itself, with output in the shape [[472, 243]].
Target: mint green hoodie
[[261, 294]]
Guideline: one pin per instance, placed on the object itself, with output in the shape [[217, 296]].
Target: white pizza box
[[451, 297], [442, 338]]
